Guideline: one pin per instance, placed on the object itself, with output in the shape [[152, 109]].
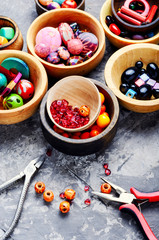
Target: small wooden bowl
[[119, 62], [41, 9], [77, 91], [17, 42], [117, 40], [81, 147], [116, 4], [54, 18], [39, 79]]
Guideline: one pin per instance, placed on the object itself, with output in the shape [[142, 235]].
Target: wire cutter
[[131, 203], [28, 172]]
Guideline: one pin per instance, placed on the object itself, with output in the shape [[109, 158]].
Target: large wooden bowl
[[41, 9], [38, 77], [17, 42], [116, 4], [81, 147], [54, 18], [117, 40], [120, 61], [77, 91]]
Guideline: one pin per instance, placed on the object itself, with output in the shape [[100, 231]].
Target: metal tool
[[131, 203], [28, 172]]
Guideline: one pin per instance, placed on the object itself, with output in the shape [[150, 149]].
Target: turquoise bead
[[7, 32], [131, 93], [59, 1], [3, 81]]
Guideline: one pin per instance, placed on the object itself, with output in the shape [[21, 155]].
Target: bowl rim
[[43, 86], [77, 78], [126, 41], [46, 10], [112, 124], [16, 28], [72, 11], [112, 86]]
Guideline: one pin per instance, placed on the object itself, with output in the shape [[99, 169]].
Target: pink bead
[[50, 36], [42, 50], [75, 46], [66, 32]]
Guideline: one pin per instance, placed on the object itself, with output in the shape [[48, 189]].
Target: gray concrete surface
[[133, 157]]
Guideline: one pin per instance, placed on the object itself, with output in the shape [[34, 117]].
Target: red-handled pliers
[[131, 203]]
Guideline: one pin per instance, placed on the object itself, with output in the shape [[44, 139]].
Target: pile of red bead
[[67, 116], [65, 45]]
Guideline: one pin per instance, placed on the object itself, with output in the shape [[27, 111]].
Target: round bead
[[7, 32], [109, 19], [59, 1], [12, 101], [42, 50], [114, 28], [3, 81], [144, 92], [45, 2], [63, 53], [155, 93], [89, 41], [75, 46], [70, 194], [48, 196], [3, 40], [137, 37], [65, 32], [139, 64], [64, 206], [53, 57], [69, 4], [74, 60], [39, 187], [129, 75], [24, 88], [124, 87], [50, 36], [152, 70], [53, 5], [106, 188]]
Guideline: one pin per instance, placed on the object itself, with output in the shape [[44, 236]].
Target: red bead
[[87, 201], [62, 195], [107, 172], [49, 152], [86, 188], [105, 165], [114, 28]]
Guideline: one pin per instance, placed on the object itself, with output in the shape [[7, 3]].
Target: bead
[[89, 41], [132, 14], [134, 87], [102, 97], [109, 19], [137, 37], [151, 82], [139, 82], [39, 187], [42, 50], [3, 40], [75, 46], [139, 64], [132, 6], [124, 87], [114, 28], [48, 196], [7, 32], [124, 34], [129, 75], [143, 70], [59, 1], [18, 64], [53, 57], [87, 201], [151, 14], [53, 5], [24, 88], [86, 188], [128, 19], [150, 34], [107, 171], [152, 70], [64, 207], [106, 188], [12, 101], [69, 194], [145, 92], [156, 86], [69, 4], [65, 32], [45, 2], [103, 120], [144, 3], [74, 60], [63, 53], [155, 93], [74, 26], [84, 110], [50, 36], [3, 81], [88, 55], [144, 77], [131, 93]]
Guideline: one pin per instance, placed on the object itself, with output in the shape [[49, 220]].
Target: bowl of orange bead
[[92, 139], [43, 6]]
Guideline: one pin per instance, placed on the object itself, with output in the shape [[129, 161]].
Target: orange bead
[[96, 127], [103, 109], [45, 2], [48, 196], [3, 40], [102, 98], [107, 114], [84, 111], [64, 206], [106, 188], [39, 187], [70, 194], [94, 133], [103, 120]]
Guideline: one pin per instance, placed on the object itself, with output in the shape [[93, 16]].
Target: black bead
[[142, 70], [134, 87], [129, 75], [124, 88], [109, 19], [144, 92], [139, 64], [152, 70], [155, 93]]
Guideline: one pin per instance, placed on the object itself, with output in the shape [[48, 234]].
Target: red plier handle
[[151, 197]]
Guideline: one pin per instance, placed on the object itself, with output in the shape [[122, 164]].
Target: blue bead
[[131, 93], [151, 34]]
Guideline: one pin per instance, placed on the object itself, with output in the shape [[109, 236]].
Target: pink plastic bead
[[75, 46], [42, 50]]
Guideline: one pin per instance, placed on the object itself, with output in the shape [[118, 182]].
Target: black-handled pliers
[[28, 172], [131, 202]]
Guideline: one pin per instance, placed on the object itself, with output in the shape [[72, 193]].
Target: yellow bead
[[3, 40], [45, 2]]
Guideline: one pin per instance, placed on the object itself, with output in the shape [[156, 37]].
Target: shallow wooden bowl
[[17, 42], [54, 18], [77, 91], [41, 9], [81, 147], [38, 77], [120, 61], [117, 40], [116, 4]]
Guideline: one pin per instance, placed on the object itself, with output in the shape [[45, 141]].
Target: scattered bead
[[75, 46], [69, 194], [39, 187], [84, 110], [48, 196], [12, 101], [87, 201], [64, 206], [105, 165], [62, 195], [107, 171], [24, 88], [106, 188], [86, 188], [115, 29]]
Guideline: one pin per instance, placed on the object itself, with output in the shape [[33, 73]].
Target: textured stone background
[[133, 157]]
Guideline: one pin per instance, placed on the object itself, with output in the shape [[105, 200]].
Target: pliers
[[28, 172], [131, 203]]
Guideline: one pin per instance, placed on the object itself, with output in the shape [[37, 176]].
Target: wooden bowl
[[81, 147], [41, 9], [39, 79], [116, 4], [17, 42], [119, 62], [117, 40], [54, 18], [77, 91]]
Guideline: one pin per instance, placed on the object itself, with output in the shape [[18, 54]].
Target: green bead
[[7, 32], [3, 80], [12, 101]]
